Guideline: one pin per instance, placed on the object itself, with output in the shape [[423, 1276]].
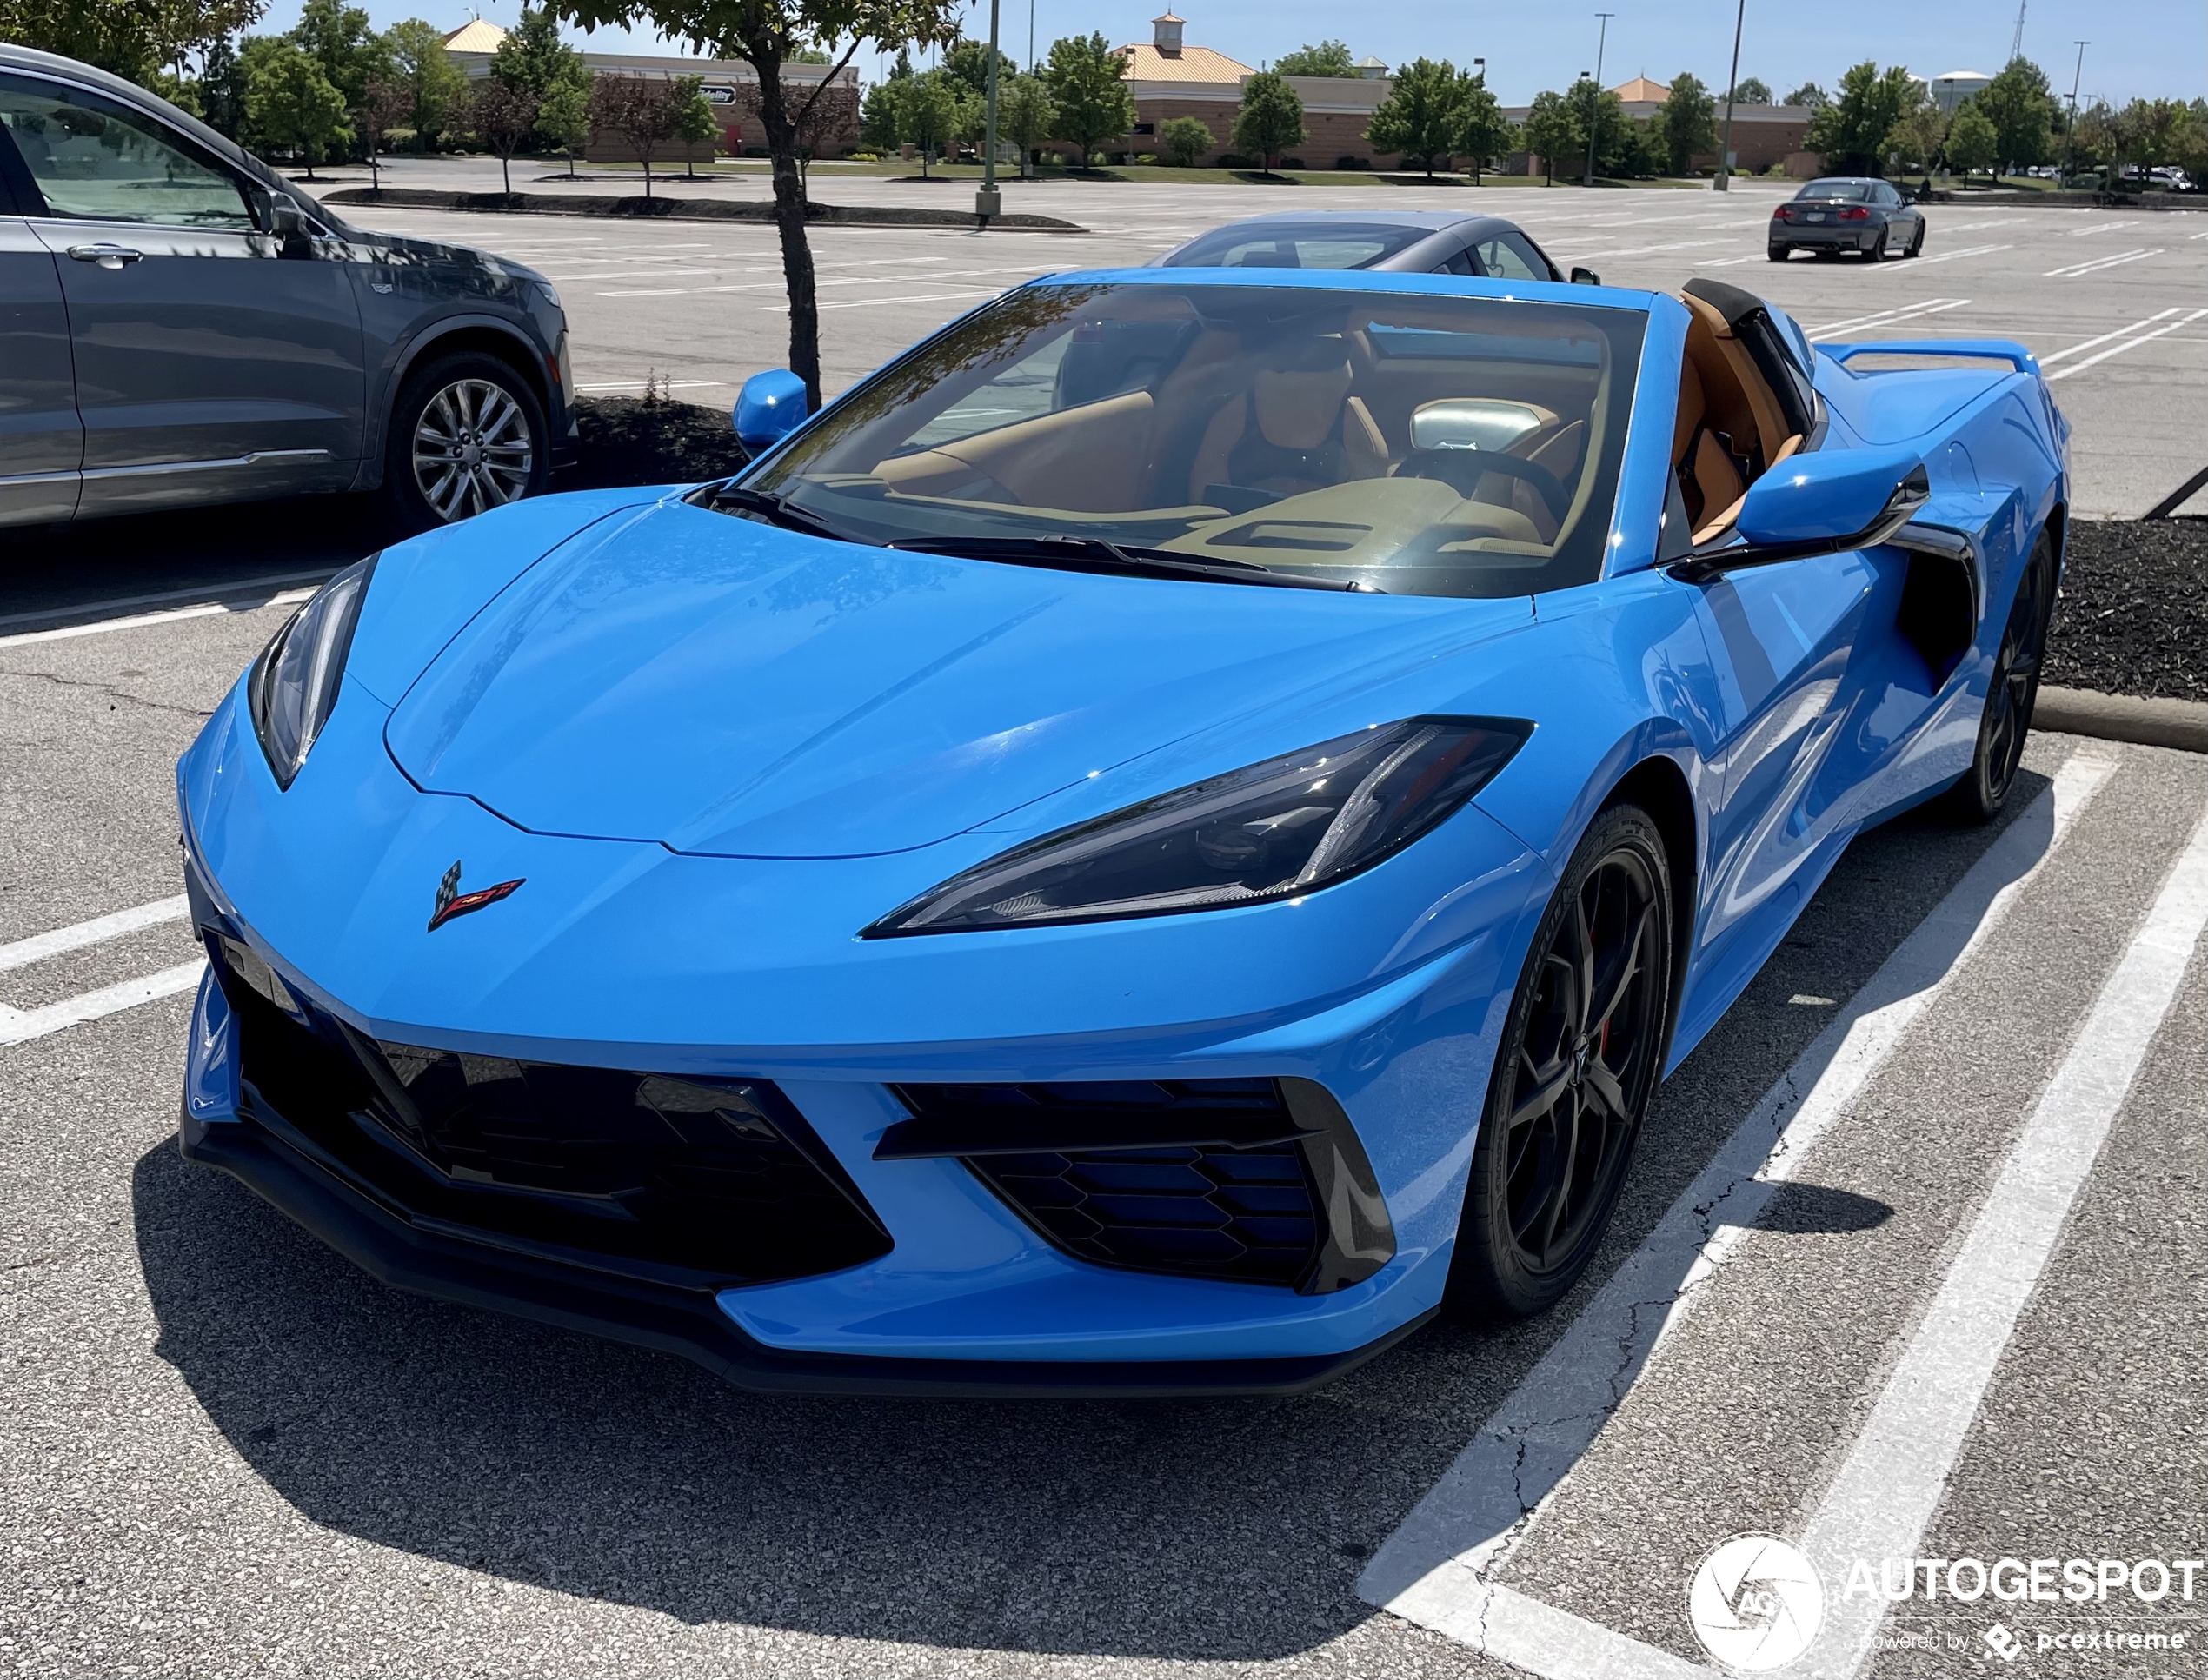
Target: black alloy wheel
[[2012, 695], [1580, 1054]]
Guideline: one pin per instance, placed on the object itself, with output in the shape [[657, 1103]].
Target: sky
[[2148, 48]]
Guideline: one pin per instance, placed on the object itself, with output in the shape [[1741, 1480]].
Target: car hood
[[726, 688]]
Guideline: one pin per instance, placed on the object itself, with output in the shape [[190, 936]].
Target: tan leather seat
[[1297, 411]]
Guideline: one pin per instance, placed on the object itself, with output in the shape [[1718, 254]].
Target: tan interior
[[1729, 430], [1088, 459]]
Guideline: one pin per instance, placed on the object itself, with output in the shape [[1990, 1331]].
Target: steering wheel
[[1462, 469]]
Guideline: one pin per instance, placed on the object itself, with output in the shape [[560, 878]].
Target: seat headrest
[[1296, 409]]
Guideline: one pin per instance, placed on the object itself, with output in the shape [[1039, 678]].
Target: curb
[[687, 210], [2179, 723]]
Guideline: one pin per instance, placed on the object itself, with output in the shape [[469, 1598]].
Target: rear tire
[[1581, 1051], [466, 434], [2011, 696], [1776, 252]]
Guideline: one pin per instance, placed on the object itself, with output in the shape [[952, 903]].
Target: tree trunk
[[789, 223], [506, 173]]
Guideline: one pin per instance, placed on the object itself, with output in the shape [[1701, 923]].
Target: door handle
[[108, 256]]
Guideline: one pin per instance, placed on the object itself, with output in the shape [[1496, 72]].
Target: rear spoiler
[[1990, 349]]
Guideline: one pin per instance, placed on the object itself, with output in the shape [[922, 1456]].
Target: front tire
[[1916, 240], [2012, 695], [466, 434], [1581, 1052]]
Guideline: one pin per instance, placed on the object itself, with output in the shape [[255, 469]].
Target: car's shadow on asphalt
[[1192, 1530]]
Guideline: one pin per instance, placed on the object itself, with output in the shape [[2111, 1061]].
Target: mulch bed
[[2133, 615], [2132, 618], [626, 440]]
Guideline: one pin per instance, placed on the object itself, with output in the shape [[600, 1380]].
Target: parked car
[[1165, 836], [1847, 213], [179, 325], [1398, 242]]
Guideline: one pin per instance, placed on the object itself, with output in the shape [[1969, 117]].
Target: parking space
[[1910, 1266]]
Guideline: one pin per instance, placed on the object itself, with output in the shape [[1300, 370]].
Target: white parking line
[[2121, 332], [2128, 344], [1879, 1502], [138, 621], [1434, 1569], [201, 591], [39, 946], [1889, 317], [21, 1025], [1944, 257], [2076, 269], [638, 385], [2100, 228]]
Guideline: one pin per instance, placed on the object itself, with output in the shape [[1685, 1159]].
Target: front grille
[[1200, 1178], [693, 1181]]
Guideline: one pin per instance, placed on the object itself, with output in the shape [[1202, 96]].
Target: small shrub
[[1236, 161], [1294, 163], [1353, 162]]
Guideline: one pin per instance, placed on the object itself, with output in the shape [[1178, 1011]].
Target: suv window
[[1507, 256], [94, 158]]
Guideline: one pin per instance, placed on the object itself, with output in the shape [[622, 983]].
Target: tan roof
[[475, 36], [1146, 63], [1640, 88]]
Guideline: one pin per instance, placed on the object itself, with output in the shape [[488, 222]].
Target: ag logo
[[1755, 1603]]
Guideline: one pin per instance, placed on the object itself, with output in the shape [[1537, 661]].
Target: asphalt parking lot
[[1911, 1265]]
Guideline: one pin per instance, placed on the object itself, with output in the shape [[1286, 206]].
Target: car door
[[211, 363], [42, 442]]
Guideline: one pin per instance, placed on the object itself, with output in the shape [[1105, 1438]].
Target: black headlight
[[1288, 826], [293, 686]]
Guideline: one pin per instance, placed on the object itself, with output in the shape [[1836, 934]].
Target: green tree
[[1328, 59], [1554, 129], [1182, 140], [1423, 116], [502, 117], [534, 59], [1749, 91], [340, 38], [695, 124], [1685, 124], [384, 105], [1851, 131], [1617, 146], [2023, 111], [133, 39], [1087, 81], [645, 111], [1973, 143], [290, 106], [1270, 122], [222, 90], [434, 84], [878, 117], [968, 64], [563, 117], [1809, 96], [1483, 132], [765, 34], [1026, 115], [927, 115], [1920, 138]]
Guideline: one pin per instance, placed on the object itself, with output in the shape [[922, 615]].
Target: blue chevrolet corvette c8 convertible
[[1158, 841]]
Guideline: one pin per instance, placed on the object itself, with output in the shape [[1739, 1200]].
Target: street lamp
[[1722, 181], [2070, 132], [1594, 94], [988, 200]]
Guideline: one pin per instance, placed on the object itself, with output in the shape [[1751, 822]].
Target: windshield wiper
[[1095, 553], [780, 510]]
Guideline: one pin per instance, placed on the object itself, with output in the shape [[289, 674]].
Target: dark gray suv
[[181, 326]]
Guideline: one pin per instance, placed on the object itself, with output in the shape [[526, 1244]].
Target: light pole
[[988, 200], [1595, 96], [1722, 181], [2070, 130]]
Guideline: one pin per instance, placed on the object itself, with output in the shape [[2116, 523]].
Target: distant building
[[727, 84], [1763, 136], [1951, 89]]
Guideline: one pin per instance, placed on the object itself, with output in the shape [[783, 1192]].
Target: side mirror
[[1586, 278], [768, 409], [1823, 503]]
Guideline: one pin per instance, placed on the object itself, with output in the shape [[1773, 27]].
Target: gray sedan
[[1406, 242], [1847, 213], [180, 326]]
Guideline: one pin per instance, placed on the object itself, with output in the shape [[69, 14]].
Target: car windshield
[[1420, 445], [1304, 245], [1840, 192]]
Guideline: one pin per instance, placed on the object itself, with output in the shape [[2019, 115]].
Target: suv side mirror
[[768, 409], [1586, 278], [1825, 503]]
